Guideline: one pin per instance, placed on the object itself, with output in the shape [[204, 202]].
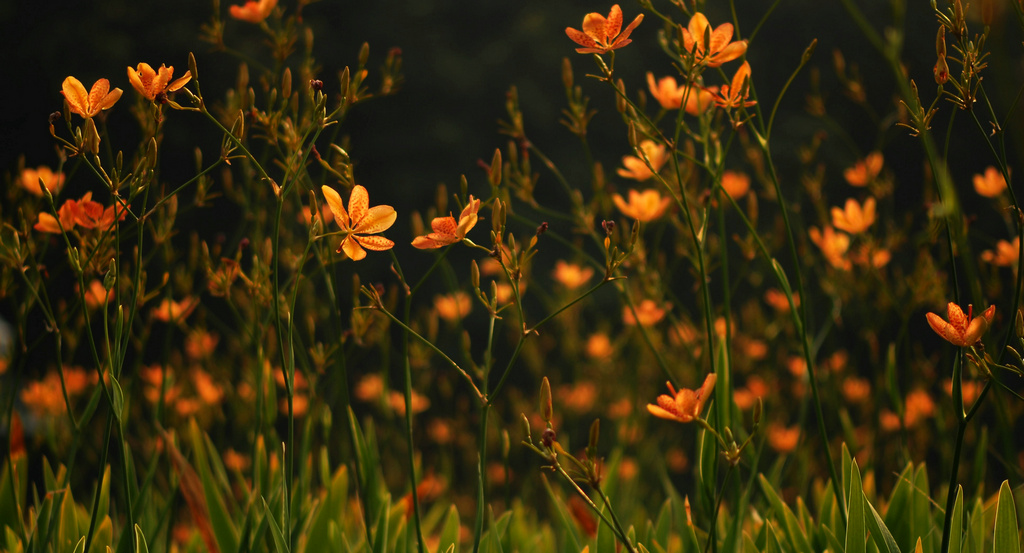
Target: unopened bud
[[620, 97], [526, 428], [91, 137], [110, 279], [542, 228], [608, 226], [364, 54], [567, 80], [474, 274], [545, 400], [317, 85], [494, 172], [1019, 324], [595, 434], [758, 410], [286, 84]]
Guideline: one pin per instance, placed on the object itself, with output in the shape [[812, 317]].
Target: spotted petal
[[375, 243], [376, 219], [337, 207], [76, 96]]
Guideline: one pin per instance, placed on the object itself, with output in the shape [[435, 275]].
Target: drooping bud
[[941, 69]]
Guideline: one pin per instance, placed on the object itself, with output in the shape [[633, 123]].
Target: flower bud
[[91, 138], [110, 279], [595, 434], [567, 80], [1019, 325], [474, 274], [494, 173], [545, 400], [526, 428]]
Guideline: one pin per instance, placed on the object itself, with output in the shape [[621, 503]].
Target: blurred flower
[[96, 295], [209, 391], [579, 397], [735, 95], [719, 50], [990, 184], [647, 313], [30, 180], [796, 365], [778, 301], [833, 245], [747, 396], [969, 389], [865, 170], [670, 95], [150, 83], [88, 104], [453, 307], [917, 406], [961, 329], [683, 405], [856, 389], [782, 439], [306, 215], [1006, 254], [601, 34], [572, 276], [636, 168], [199, 344], [599, 346], [170, 310], [447, 230], [236, 461], [370, 387], [643, 206], [359, 221], [853, 218], [44, 397], [396, 401], [735, 184], [253, 11]]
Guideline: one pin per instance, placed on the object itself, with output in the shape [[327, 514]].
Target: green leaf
[[67, 531], [380, 536], [1006, 538], [856, 536], [80, 546], [275, 530], [140, 541], [922, 508], [956, 529], [976, 527], [117, 397], [880, 534], [332, 508], [567, 524], [223, 526], [664, 524], [449, 541], [794, 533], [708, 463], [898, 515]]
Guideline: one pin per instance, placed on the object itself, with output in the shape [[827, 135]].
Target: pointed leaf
[[856, 536], [280, 545], [1006, 538], [880, 534], [956, 530], [140, 541]]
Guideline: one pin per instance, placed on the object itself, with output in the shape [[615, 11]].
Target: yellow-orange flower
[[30, 180], [960, 329], [1006, 254], [853, 218], [84, 213], [647, 314], [572, 276], [601, 34], [833, 244], [643, 206], [865, 170], [719, 50], [735, 95], [670, 95], [454, 306], [360, 221], [253, 11], [635, 167], [88, 104], [152, 83], [735, 184], [175, 311], [783, 439], [683, 405], [447, 230], [990, 184]]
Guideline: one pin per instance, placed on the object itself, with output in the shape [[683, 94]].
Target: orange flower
[[684, 405], [66, 215], [735, 95], [88, 104], [853, 218], [601, 34], [719, 50], [865, 170], [670, 95], [97, 295], [453, 306], [961, 330], [1005, 254], [447, 230], [253, 11], [636, 168], [359, 221], [572, 276], [782, 439], [599, 346], [152, 83], [643, 206], [30, 180], [647, 313], [735, 184], [175, 311], [991, 184], [833, 244]]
